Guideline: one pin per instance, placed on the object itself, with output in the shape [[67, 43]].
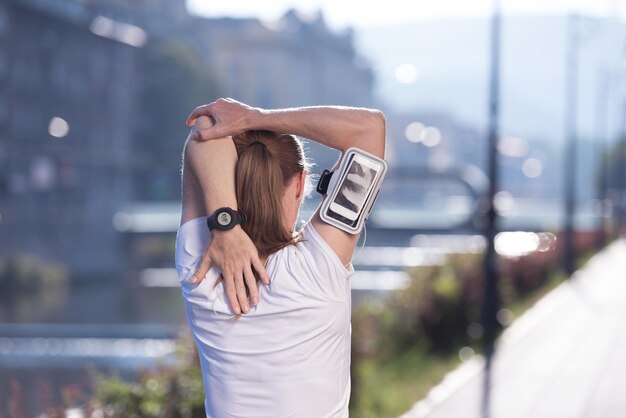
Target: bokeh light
[[413, 132], [511, 146], [431, 137], [406, 73], [466, 353], [58, 127], [532, 168]]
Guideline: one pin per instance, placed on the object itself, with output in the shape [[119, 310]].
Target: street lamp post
[[491, 300], [570, 163], [609, 82], [621, 206], [603, 146], [621, 141]]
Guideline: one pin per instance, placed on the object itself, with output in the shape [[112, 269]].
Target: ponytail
[[267, 162]]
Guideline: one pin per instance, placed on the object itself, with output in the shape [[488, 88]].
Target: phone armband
[[350, 192]]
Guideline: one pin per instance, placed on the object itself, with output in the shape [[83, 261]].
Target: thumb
[[203, 269]]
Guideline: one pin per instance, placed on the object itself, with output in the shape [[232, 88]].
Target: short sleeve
[[192, 239], [326, 259]]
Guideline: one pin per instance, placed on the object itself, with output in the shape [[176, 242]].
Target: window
[[3, 19]]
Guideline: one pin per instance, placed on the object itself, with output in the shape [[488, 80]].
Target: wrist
[[256, 118], [218, 232]]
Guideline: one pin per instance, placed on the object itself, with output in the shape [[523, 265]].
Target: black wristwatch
[[224, 219]]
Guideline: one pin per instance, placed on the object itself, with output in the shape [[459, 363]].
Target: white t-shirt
[[289, 356]]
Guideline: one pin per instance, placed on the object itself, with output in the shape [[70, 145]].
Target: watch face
[[224, 219]]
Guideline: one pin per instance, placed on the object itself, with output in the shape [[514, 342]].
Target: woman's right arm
[[337, 127]]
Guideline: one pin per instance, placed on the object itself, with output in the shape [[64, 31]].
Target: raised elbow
[[188, 149], [377, 127], [379, 120]]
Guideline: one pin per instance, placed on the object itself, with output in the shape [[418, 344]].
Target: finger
[[191, 119], [231, 294], [198, 111], [203, 269], [251, 283], [260, 269], [240, 288]]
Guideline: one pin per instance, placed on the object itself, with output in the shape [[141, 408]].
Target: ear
[[301, 184]]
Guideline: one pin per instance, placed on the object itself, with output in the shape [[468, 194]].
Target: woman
[[288, 356]]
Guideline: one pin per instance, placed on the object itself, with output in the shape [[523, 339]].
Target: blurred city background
[[507, 154]]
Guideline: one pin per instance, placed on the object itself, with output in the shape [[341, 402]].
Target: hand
[[230, 117], [235, 254]]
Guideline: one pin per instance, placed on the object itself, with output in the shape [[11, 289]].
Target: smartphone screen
[[354, 189]]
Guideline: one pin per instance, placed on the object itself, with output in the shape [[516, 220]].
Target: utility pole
[[571, 154], [621, 206], [602, 145], [491, 299]]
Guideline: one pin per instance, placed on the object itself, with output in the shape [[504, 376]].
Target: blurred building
[[160, 18], [432, 140], [67, 111], [439, 142], [71, 74], [294, 61]]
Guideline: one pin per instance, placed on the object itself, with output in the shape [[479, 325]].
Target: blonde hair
[[267, 162]]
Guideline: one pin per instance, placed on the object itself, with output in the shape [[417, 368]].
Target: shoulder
[[321, 251], [312, 256], [311, 264]]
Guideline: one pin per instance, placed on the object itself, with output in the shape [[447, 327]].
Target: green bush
[[31, 288], [434, 311], [168, 391], [26, 273]]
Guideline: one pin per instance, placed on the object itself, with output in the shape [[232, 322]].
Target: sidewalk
[[565, 357]]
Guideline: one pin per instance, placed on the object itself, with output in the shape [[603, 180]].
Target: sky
[[340, 14]]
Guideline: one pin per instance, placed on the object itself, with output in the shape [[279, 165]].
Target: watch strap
[[233, 218]]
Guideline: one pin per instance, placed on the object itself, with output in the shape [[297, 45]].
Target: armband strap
[[322, 184], [349, 194]]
